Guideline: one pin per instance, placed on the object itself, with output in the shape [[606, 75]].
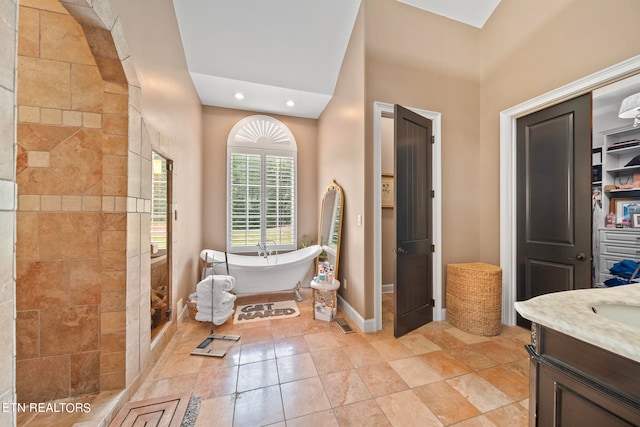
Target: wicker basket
[[474, 298]]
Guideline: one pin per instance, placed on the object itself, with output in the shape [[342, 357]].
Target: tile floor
[[306, 372]]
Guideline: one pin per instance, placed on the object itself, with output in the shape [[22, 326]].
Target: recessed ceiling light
[[238, 95], [290, 103]]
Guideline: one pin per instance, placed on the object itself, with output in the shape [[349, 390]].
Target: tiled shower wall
[[8, 27], [72, 167]]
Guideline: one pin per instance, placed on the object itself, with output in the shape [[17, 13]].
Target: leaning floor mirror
[[331, 224]]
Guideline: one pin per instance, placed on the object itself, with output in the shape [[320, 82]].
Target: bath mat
[[265, 311], [160, 411]]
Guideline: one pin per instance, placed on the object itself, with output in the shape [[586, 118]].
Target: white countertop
[[570, 313]]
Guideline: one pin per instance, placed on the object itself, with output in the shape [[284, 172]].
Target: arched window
[[261, 185]]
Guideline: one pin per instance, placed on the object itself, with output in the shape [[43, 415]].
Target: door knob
[[581, 257], [401, 251]]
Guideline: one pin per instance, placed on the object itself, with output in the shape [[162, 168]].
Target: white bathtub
[[257, 274]]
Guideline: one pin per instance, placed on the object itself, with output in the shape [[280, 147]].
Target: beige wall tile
[[78, 160], [51, 203], [85, 373], [133, 278], [7, 230], [72, 118], [8, 45], [133, 321], [50, 116], [112, 362], [38, 159], [115, 124], [114, 185], [72, 203], [41, 181], [108, 204], [113, 240], [133, 363], [29, 32], [27, 247], [62, 39], [115, 104], [29, 114], [50, 5], [113, 301], [116, 88], [114, 165], [91, 203], [86, 88], [113, 263], [135, 131], [68, 235], [112, 342], [69, 330], [121, 204], [42, 137], [44, 83], [115, 381], [133, 234], [113, 221], [113, 322], [27, 334], [41, 284], [29, 203], [84, 282], [7, 156], [115, 144], [92, 120], [51, 374]]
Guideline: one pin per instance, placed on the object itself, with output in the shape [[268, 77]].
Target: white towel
[[217, 319]]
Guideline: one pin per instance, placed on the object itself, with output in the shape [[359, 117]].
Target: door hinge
[[433, 139], [433, 303], [169, 167], [433, 194], [433, 248]]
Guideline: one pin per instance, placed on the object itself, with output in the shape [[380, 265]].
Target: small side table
[[325, 299]]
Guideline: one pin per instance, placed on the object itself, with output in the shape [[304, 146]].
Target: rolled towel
[[216, 318]]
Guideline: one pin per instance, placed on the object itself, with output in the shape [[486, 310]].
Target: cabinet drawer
[[625, 236], [607, 261], [631, 251]]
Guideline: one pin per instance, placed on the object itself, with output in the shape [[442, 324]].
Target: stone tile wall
[[72, 166], [8, 28]]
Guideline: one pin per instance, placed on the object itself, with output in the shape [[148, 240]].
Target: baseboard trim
[[365, 325], [388, 288]]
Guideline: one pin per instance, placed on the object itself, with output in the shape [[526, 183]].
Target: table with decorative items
[[325, 293]]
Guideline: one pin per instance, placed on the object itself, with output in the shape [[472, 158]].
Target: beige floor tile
[[405, 409], [257, 375], [332, 360], [472, 358], [363, 355], [479, 421], [296, 367], [445, 364], [166, 386], [361, 414], [418, 344], [256, 335], [391, 349], [216, 382], [509, 416], [290, 346], [344, 388], [304, 397], [177, 364], [381, 379], [479, 392], [321, 341], [502, 350], [258, 407], [256, 352], [444, 339], [445, 402], [466, 337], [415, 371], [319, 419], [509, 382], [218, 410]]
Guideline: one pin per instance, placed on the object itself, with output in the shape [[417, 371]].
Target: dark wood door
[[554, 199], [413, 214]]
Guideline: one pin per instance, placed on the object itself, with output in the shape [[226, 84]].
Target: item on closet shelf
[[633, 162], [610, 220]]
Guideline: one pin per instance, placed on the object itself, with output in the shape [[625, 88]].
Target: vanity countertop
[[570, 313]]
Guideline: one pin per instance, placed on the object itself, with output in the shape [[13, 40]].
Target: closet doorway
[[161, 220]]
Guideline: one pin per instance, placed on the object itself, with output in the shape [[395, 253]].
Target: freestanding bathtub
[[258, 274]]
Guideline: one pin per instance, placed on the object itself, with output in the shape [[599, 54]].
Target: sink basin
[[627, 314]]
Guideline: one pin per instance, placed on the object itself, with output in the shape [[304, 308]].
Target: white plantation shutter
[[261, 185]]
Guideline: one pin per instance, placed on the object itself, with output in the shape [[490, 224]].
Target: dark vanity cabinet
[[573, 383]]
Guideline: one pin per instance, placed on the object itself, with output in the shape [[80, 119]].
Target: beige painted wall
[[341, 155], [529, 47], [410, 62], [217, 123], [172, 114], [8, 42]]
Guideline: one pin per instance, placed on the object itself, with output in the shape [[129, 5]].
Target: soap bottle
[[330, 275]]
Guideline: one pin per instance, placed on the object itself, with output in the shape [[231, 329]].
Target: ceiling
[[606, 105], [281, 56]]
